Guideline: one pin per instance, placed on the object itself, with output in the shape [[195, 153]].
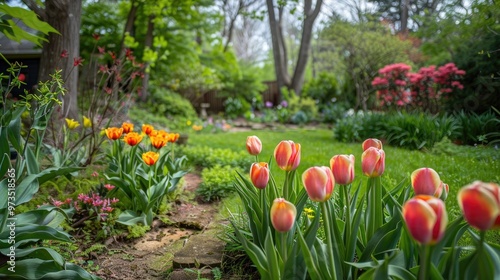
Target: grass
[[456, 165]]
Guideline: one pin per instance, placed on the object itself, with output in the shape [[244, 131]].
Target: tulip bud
[[254, 145], [372, 142], [259, 173], [343, 168], [442, 191], [426, 218], [287, 155], [319, 183], [373, 162], [283, 215], [425, 181], [480, 204]]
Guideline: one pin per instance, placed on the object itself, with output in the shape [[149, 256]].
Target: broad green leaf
[[130, 218], [35, 269]]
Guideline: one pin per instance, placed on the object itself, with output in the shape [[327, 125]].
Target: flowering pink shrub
[[392, 85], [397, 87]]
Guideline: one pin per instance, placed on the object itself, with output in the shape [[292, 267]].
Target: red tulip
[[283, 215], [319, 183], [425, 181], [426, 218], [259, 173], [254, 145], [287, 155], [480, 204], [373, 162], [343, 168], [372, 142]]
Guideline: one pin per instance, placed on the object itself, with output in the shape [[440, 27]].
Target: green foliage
[[477, 128], [136, 231], [301, 109], [408, 130], [20, 182], [9, 16], [235, 107], [217, 182], [323, 89], [208, 157]]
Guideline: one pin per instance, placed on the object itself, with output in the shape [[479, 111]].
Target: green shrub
[[164, 108], [217, 182], [235, 107], [333, 112], [305, 104], [412, 131], [207, 157], [323, 89], [477, 129]]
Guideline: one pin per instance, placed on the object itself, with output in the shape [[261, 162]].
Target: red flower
[[96, 36], [101, 49], [77, 61], [64, 54]]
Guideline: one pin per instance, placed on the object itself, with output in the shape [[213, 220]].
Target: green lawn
[[463, 166]]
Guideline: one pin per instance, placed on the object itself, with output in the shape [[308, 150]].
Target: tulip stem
[[283, 246], [348, 234], [375, 218], [425, 262], [329, 240]]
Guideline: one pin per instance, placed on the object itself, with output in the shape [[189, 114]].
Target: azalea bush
[[363, 230], [143, 169], [397, 87]]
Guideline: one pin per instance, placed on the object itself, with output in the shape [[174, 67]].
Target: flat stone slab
[[202, 250]]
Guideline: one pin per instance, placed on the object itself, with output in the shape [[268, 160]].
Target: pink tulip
[[259, 174], [373, 162], [372, 142], [287, 155], [254, 145], [480, 204], [426, 218], [343, 168], [425, 181], [319, 183], [283, 215]]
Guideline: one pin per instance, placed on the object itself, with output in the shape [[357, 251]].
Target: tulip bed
[[374, 219]]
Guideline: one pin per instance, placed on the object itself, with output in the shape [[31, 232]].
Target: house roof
[[12, 48]]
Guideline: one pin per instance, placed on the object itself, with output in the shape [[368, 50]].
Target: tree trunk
[[404, 17], [279, 49], [310, 16], [129, 26], [148, 43], [64, 16]]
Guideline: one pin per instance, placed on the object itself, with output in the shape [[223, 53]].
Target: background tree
[[276, 14], [64, 16]]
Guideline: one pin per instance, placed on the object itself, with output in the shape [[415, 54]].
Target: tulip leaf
[[46, 269], [274, 261], [400, 272], [130, 218], [311, 261], [254, 253], [385, 239]]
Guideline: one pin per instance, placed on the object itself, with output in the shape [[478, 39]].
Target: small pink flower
[[114, 200], [101, 49], [64, 54], [57, 203], [77, 61], [109, 187], [95, 174]]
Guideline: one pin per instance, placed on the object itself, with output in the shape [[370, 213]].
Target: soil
[[151, 256]]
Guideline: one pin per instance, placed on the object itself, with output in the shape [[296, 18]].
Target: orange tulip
[[146, 128], [283, 215], [150, 158], [372, 142], [426, 218], [287, 155], [259, 173], [425, 181], [319, 183], [174, 137], [158, 141], [480, 204], [127, 127], [132, 138], [373, 162], [254, 145], [114, 133], [343, 168]]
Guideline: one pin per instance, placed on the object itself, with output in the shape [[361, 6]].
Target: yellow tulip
[[72, 124]]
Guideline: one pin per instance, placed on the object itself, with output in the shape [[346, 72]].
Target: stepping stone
[[200, 251]]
